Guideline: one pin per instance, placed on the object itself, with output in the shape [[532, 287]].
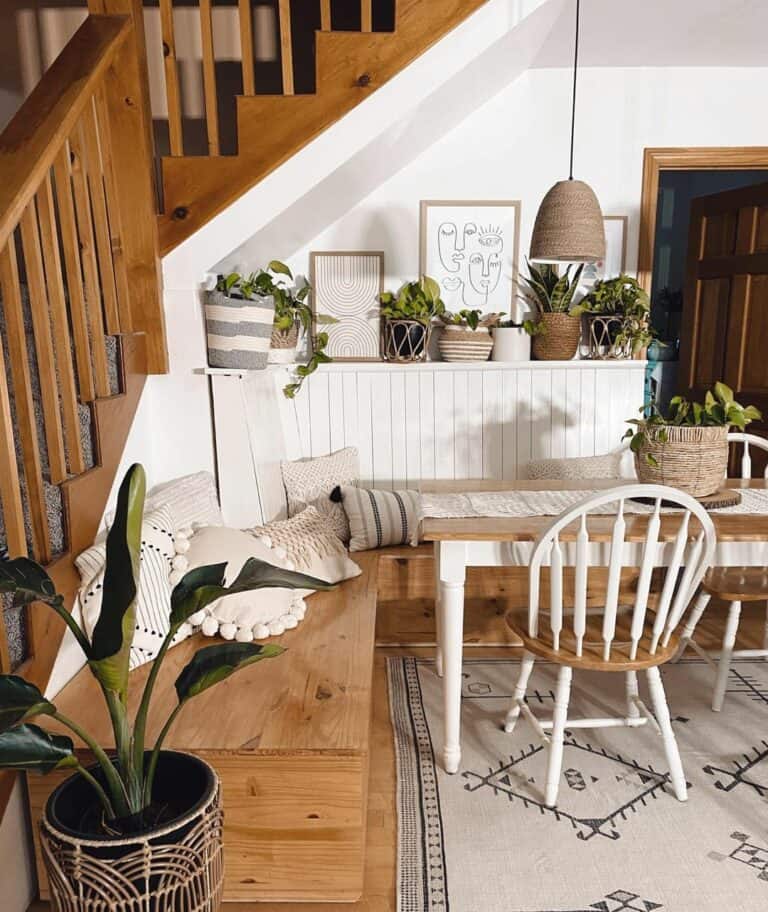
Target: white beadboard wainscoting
[[416, 421]]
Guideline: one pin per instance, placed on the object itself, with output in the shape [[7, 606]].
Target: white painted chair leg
[[724, 665], [661, 711], [559, 719], [453, 563], [438, 615], [526, 667], [633, 695], [695, 616]]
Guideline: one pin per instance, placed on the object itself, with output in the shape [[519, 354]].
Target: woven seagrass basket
[[560, 338], [283, 345], [693, 459], [460, 343]]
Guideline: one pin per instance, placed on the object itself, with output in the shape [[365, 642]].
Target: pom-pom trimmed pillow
[[576, 468], [309, 482], [163, 561], [379, 518], [245, 616], [311, 545]]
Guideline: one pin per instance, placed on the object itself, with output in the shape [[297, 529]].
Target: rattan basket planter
[[560, 338], [461, 343], [284, 345], [173, 867], [602, 343], [693, 459], [404, 340]]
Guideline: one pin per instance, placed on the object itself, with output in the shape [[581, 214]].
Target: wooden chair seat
[[592, 652], [737, 584]]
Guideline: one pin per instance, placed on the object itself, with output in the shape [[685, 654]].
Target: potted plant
[[688, 447], [143, 818], [406, 318], [555, 330], [511, 342], [466, 335], [238, 322], [617, 313]]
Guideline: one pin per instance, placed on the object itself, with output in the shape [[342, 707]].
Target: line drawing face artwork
[[470, 249]]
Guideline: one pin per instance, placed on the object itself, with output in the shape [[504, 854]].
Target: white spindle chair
[[620, 637], [735, 585]]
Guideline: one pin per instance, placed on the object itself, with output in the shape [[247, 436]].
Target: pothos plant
[[291, 310], [474, 319], [548, 292], [419, 301], [625, 298], [719, 409], [127, 777]]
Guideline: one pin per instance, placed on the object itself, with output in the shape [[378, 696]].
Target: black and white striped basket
[[239, 330]]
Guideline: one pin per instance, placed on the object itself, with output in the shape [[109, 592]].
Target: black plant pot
[[158, 867], [405, 340]]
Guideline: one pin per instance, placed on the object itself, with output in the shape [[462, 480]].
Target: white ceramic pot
[[511, 343]]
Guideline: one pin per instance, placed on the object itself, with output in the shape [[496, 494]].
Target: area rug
[[482, 840]]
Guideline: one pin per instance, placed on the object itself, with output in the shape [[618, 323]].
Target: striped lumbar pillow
[[239, 330], [378, 518]]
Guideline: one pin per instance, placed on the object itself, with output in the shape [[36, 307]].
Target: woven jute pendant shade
[[569, 225]]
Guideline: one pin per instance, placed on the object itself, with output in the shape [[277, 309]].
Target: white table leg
[[438, 615], [453, 565]]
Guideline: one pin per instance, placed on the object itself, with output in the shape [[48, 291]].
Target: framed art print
[[471, 249], [346, 285]]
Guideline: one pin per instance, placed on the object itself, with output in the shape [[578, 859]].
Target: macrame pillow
[[309, 482], [163, 562], [576, 468], [379, 518], [311, 545], [246, 616]]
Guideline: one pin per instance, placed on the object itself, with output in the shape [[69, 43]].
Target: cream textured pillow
[[245, 616], [379, 518], [309, 482], [576, 468], [192, 500], [311, 545], [162, 560]]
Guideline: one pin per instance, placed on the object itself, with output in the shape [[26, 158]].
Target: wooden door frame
[[704, 158]]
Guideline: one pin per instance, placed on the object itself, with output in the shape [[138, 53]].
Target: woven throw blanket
[[552, 503]]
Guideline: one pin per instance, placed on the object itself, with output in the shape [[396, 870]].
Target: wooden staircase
[[272, 128]]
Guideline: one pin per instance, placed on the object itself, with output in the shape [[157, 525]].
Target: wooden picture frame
[[464, 289], [352, 307]]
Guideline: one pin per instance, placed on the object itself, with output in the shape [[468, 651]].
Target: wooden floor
[[382, 819]]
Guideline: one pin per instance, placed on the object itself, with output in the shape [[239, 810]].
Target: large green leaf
[[215, 663], [724, 393], [29, 747], [27, 581], [20, 701], [113, 633], [279, 268], [204, 585]]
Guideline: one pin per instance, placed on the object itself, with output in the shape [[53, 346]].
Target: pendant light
[[569, 223]]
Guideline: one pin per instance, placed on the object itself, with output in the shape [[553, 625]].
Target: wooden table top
[[739, 527]]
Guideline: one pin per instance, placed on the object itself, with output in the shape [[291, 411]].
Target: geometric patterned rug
[[618, 841]]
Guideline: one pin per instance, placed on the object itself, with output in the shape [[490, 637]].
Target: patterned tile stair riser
[[483, 841]]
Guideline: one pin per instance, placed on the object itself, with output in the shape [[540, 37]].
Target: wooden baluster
[[88, 256], [10, 489], [286, 46], [246, 47], [95, 172], [5, 653], [556, 592], [366, 15], [25, 410], [113, 214], [172, 93], [41, 325], [61, 340], [71, 247], [614, 580], [325, 15], [580, 586], [209, 77], [648, 562], [668, 590]]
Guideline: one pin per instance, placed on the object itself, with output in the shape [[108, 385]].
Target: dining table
[[461, 540]]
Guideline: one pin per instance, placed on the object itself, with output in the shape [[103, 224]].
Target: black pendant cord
[[573, 101]]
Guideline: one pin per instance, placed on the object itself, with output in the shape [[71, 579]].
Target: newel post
[[130, 129]]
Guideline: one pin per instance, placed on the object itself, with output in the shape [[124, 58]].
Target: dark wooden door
[[724, 332]]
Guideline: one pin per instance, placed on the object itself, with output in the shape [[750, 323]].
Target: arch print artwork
[[471, 249]]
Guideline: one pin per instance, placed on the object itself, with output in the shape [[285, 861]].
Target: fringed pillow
[[309, 482], [311, 545]]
